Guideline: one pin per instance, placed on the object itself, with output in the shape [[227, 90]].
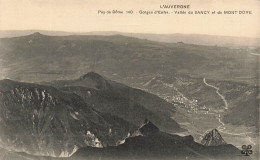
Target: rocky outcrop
[[213, 138], [148, 128]]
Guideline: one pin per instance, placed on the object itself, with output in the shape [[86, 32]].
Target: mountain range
[[58, 104], [133, 61], [92, 117], [38, 57], [198, 39]]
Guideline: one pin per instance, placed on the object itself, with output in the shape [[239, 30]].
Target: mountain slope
[[43, 120], [132, 105]]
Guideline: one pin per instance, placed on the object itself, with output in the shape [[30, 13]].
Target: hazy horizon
[[95, 31], [82, 16]]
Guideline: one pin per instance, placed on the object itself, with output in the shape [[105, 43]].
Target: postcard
[[129, 80]]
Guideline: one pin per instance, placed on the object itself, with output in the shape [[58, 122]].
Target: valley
[[199, 118]]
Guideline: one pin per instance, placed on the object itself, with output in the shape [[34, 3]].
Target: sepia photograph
[[129, 79]]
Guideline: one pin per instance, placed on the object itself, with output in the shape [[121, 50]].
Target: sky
[[82, 16]]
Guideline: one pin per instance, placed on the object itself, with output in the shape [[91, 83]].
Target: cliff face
[[43, 120], [213, 138]]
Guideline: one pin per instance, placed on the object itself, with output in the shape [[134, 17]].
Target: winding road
[[222, 127], [217, 91]]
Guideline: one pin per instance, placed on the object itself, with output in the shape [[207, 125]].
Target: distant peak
[[91, 75], [37, 34], [99, 81]]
